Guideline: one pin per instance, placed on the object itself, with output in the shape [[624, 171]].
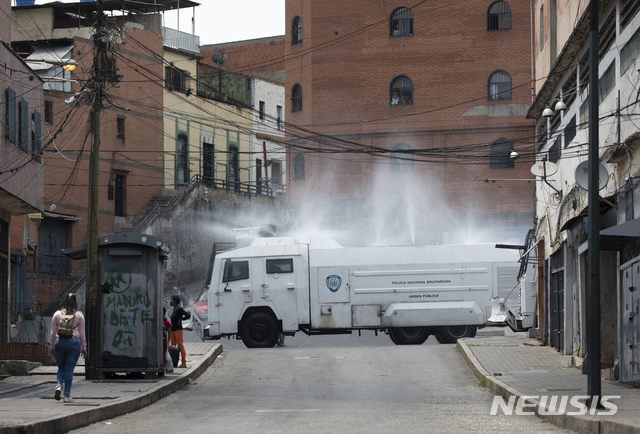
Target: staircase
[[154, 209]]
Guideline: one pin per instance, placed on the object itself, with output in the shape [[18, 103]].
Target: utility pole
[[93, 312], [593, 288]]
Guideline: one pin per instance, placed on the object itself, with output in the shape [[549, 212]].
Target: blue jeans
[[67, 352]]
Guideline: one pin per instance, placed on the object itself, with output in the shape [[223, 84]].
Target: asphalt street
[[345, 384]]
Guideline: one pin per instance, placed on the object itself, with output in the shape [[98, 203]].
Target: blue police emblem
[[334, 282]]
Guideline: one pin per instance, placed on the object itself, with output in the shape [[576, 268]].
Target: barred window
[[401, 22], [175, 79], [296, 30], [499, 16], [499, 85], [296, 98], [401, 91]]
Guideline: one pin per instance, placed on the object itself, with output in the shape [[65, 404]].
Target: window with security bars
[[569, 88], [500, 157], [176, 79], [296, 98], [628, 10], [401, 91], [499, 85], [401, 22], [499, 16], [296, 30], [607, 34]]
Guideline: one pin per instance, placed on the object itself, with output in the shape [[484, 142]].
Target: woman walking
[[177, 333], [67, 341]]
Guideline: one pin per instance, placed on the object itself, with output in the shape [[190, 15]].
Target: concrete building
[[408, 118], [561, 54], [21, 166]]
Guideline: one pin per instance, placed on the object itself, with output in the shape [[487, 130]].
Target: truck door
[[233, 293], [333, 298], [278, 286]]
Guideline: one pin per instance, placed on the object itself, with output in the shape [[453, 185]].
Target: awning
[[53, 215], [626, 229], [45, 58]]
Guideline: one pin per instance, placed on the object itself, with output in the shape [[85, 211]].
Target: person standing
[[67, 341], [177, 333]]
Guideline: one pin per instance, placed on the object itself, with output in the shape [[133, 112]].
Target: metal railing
[[178, 40]]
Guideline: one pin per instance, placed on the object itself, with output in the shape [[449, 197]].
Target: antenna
[[582, 175], [220, 57]]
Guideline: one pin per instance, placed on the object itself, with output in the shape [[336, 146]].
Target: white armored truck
[[281, 285]]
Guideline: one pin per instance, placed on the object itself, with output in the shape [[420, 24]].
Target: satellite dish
[[582, 175], [544, 168], [219, 57]]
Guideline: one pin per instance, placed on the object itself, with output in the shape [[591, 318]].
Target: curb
[[576, 423], [83, 418]]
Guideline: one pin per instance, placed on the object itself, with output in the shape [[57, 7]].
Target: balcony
[[180, 40]]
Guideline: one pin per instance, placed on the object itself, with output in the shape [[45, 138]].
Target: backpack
[[66, 325]]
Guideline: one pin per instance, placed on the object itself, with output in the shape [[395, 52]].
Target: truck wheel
[[259, 330], [408, 335], [451, 334]]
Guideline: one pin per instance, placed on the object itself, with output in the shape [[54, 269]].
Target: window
[[276, 173], [279, 266], [175, 79], [500, 157], [208, 163], [235, 270], [258, 176], [630, 52], [36, 132], [499, 85], [554, 151], [401, 22], [233, 168], [120, 128], [607, 82], [569, 88], [11, 129], [120, 194], [296, 98], [261, 110], [402, 159], [182, 159], [298, 166], [541, 27], [296, 30], [48, 111], [23, 125], [584, 71], [570, 131], [401, 91], [607, 34], [499, 16], [628, 10], [279, 116]]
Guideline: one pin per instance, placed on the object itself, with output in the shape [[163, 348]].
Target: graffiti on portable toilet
[[128, 308]]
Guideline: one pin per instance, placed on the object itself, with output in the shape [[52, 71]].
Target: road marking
[[284, 410], [318, 357]]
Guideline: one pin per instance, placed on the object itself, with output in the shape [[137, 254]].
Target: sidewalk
[[519, 366], [27, 404]]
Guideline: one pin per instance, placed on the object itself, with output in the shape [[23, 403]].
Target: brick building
[[20, 170], [422, 108], [130, 170], [261, 57]]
